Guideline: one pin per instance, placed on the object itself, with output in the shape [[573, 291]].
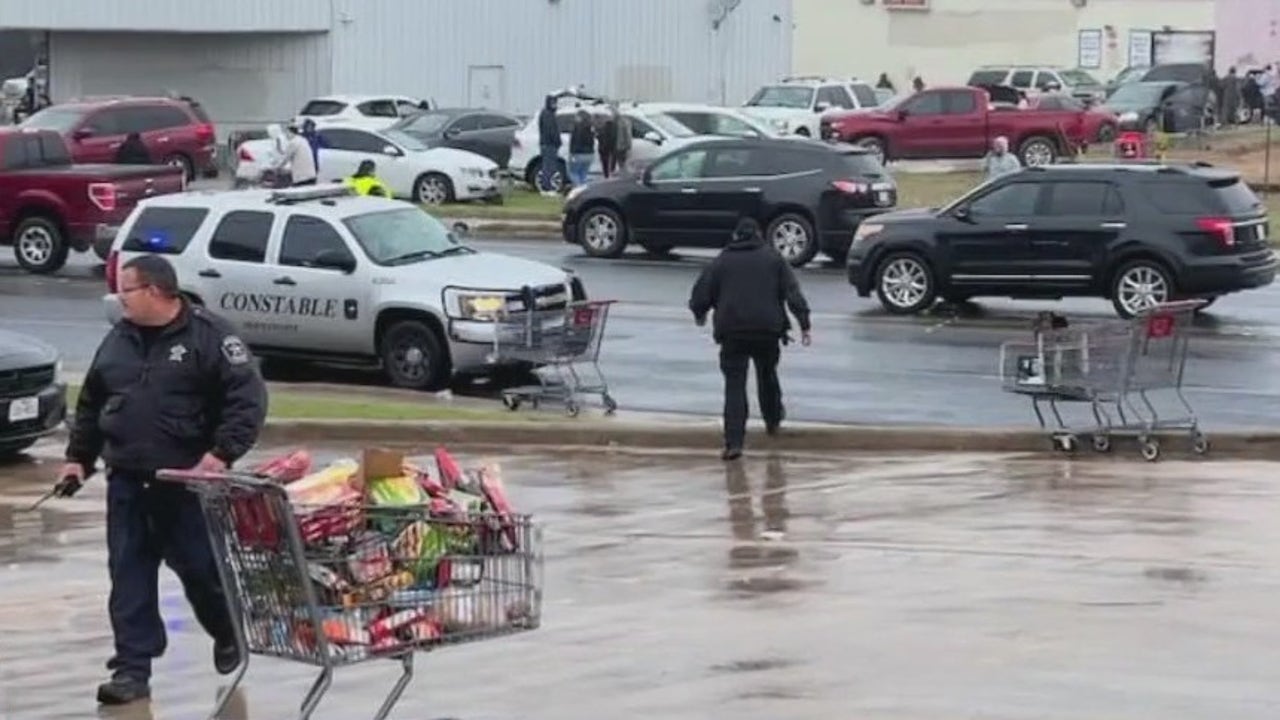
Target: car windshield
[[400, 237], [405, 140], [59, 119], [428, 123], [1078, 77], [1136, 95], [669, 125], [784, 96]]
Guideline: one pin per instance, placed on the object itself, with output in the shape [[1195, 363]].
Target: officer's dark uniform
[[750, 287], [161, 398]]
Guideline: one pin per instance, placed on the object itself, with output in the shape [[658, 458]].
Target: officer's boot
[[123, 689]]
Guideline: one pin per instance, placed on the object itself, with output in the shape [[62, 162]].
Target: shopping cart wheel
[[1101, 443], [1150, 450], [1199, 443], [1066, 443], [572, 408], [511, 402], [610, 405]]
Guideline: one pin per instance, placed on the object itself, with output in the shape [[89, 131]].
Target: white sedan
[[410, 169]]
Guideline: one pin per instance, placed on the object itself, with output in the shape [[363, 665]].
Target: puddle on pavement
[[787, 587]]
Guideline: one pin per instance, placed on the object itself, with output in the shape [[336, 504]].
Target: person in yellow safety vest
[[365, 182]]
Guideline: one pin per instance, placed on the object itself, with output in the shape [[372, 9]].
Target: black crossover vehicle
[[483, 132], [32, 399], [1138, 234], [809, 196]]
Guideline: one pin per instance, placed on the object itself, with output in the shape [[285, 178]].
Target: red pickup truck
[[957, 122], [49, 206]]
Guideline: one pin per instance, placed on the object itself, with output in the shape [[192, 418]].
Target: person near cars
[[313, 138], [170, 386], [300, 158], [548, 144], [999, 161], [365, 180], [918, 84], [606, 134], [582, 148], [622, 144], [1229, 108], [884, 83], [133, 151], [749, 287]]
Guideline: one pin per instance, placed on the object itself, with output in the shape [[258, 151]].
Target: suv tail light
[[103, 195], [113, 271], [1220, 228], [204, 133], [850, 187]]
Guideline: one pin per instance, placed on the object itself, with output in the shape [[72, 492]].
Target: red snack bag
[[285, 468], [496, 494], [450, 473], [370, 559], [387, 625]]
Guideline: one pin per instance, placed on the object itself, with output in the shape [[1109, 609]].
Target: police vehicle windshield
[[401, 237]]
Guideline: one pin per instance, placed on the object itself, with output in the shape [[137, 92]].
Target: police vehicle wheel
[[602, 232], [412, 356], [39, 247], [433, 189], [794, 238]]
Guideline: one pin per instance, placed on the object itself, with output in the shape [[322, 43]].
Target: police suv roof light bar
[[301, 194]]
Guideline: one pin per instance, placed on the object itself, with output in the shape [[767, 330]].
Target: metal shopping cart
[[339, 585], [1115, 367], [562, 342]]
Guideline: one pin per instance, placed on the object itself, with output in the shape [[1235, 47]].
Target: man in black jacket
[[750, 287], [171, 386], [548, 145]]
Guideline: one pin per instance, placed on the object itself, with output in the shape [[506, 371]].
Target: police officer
[[750, 287], [171, 386], [365, 182]]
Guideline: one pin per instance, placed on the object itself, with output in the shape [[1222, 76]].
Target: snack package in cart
[[285, 468]]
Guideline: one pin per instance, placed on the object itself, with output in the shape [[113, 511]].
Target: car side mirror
[[391, 150], [335, 260], [963, 213], [647, 177], [653, 137], [452, 133], [84, 133]]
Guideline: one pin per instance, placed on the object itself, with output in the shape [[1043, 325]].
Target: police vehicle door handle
[[286, 280], [751, 189], [209, 274], [689, 191], [1113, 226]]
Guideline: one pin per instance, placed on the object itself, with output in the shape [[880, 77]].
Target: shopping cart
[[561, 342], [1115, 367], [340, 585]]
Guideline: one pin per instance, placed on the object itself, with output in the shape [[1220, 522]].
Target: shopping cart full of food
[[351, 583], [563, 345], [1115, 367]]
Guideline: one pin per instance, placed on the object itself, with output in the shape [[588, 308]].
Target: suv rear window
[[859, 164], [865, 95], [164, 230], [320, 108], [1231, 197], [198, 110], [988, 77]]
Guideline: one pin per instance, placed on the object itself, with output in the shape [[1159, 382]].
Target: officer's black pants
[[149, 521], [735, 354]]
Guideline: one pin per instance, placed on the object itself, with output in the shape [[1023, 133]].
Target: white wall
[[945, 43], [167, 15]]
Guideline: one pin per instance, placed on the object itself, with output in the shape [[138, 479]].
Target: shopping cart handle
[[196, 477]]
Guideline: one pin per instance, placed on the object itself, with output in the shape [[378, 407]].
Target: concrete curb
[[515, 227], [705, 435]]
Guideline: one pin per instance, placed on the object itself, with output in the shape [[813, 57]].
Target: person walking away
[[313, 138], [171, 386], [622, 144], [918, 84], [301, 158], [1229, 108], [133, 151], [548, 146], [582, 148], [750, 288], [999, 161], [606, 133], [365, 180], [884, 83]]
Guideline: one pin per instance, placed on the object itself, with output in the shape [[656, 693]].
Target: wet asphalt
[[864, 366], [876, 587]]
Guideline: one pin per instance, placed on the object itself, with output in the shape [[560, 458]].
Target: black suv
[[809, 196], [1137, 234]]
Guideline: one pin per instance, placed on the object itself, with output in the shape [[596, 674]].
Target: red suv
[[176, 131]]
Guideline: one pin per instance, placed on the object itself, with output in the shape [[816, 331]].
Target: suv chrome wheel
[[1138, 287], [794, 238], [599, 232], [905, 284]]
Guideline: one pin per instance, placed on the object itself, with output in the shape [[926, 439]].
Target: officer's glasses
[[128, 291]]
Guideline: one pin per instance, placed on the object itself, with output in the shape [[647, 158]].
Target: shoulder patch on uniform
[[234, 350]]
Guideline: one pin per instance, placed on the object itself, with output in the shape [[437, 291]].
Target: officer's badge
[[234, 350], [177, 353]]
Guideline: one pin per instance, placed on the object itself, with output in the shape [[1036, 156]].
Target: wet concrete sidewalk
[[921, 588]]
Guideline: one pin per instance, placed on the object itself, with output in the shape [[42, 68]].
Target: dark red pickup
[[49, 206], [957, 122]]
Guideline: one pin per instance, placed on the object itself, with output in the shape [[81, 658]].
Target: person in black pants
[[750, 287]]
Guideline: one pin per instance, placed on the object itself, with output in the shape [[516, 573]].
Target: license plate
[[882, 197], [1262, 232], [24, 409]]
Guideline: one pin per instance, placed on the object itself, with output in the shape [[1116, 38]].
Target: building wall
[[1248, 34], [168, 15], [946, 42], [655, 49], [243, 80]]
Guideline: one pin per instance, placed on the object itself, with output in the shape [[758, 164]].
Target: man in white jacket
[[299, 158]]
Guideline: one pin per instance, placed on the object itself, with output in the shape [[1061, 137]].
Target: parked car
[[176, 131], [714, 120], [1131, 73], [809, 196], [484, 132], [50, 206], [410, 169], [1036, 79], [1137, 234], [652, 135], [957, 122], [371, 112], [1100, 122], [319, 274], [33, 397], [884, 95], [796, 104], [1198, 75], [1170, 106]]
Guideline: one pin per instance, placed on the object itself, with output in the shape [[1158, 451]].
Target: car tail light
[[204, 133], [113, 271], [103, 195], [850, 187], [1220, 228]]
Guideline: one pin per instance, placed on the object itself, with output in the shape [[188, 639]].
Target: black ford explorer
[[33, 399]]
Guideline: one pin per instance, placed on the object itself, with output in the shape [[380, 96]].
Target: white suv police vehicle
[[321, 274]]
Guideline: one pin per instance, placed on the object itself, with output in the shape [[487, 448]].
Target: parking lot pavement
[[835, 587]]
